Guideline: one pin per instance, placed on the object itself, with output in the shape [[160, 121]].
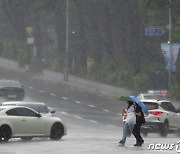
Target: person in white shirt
[[129, 123]]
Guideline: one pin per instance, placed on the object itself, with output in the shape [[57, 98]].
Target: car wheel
[[164, 128], [26, 138], [57, 131], [5, 133]]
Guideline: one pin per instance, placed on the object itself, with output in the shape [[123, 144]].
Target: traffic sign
[[154, 31]]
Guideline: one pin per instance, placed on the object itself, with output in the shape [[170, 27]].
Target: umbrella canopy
[[141, 104]]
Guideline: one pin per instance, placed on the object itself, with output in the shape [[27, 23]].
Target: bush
[[173, 93], [57, 65], [141, 82]]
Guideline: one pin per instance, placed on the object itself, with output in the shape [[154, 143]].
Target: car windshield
[[153, 97], [151, 105]]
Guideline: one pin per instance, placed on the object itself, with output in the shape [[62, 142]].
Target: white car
[[143, 96], [37, 106], [162, 118], [26, 123]]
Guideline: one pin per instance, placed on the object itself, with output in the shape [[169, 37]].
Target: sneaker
[[142, 142], [121, 144], [137, 144]]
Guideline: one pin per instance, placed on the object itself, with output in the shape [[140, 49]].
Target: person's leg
[[137, 135], [135, 132], [125, 129], [131, 126]]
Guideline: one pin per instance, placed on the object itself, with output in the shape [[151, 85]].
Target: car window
[[37, 108], [21, 112], [28, 112], [151, 105], [43, 109], [12, 112], [168, 106]]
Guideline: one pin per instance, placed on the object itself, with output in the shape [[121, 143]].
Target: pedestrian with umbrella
[[140, 109], [129, 123]]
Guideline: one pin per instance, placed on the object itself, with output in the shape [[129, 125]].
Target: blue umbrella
[[141, 104]]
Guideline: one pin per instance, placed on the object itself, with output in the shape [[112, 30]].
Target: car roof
[[12, 107], [22, 102], [154, 101], [10, 83]]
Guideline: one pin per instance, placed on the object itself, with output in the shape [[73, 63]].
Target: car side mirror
[[53, 111], [178, 110], [38, 115]]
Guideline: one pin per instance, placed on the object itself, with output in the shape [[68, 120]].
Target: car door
[[16, 122], [33, 125], [175, 117], [172, 115]]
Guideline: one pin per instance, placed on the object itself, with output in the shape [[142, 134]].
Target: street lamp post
[[170, 44], [67, 41]]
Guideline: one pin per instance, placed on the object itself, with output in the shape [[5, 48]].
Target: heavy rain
[[69, 67]]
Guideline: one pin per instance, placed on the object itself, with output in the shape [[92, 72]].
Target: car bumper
[[151, 126]]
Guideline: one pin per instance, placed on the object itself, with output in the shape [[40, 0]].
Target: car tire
[[57, 131], [5, 133], [164, 128], [26, 138]]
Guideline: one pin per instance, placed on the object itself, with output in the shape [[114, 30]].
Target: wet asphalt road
[[93, 120]]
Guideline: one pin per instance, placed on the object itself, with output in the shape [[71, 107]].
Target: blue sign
[[154, 31]]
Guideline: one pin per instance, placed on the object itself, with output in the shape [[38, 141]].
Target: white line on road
[[64, 112], [105, 110], [93, 121], [78, 102], [91, 106], [65, 98], [41, 91], [31, 88], [111, 125], [52, 94], [78, 117]]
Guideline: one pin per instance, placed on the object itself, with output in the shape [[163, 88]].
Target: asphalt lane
[[93, 121]]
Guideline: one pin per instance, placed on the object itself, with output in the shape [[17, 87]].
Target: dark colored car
[[12, 90]]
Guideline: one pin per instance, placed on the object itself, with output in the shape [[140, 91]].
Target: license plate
[[11, 96]]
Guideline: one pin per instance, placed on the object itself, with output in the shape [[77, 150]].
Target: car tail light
[[157, 113]]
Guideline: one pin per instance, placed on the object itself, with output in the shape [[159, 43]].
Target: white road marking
[[93, 121], [31, 88], [78, 117], [77, 102], [41, 91], [65, 98], [91, 106], [64, 112], [111, 125], [119, 114], [105, 110], [52, 94]]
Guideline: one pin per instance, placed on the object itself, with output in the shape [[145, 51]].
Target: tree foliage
[[110, 32]]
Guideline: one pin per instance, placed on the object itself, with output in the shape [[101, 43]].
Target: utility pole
[[170, 44], [67, 41]]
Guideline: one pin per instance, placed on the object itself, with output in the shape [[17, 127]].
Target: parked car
[[144, 96], [11, 90], [163, 117], [37, 106], [25, 123]]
